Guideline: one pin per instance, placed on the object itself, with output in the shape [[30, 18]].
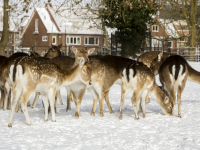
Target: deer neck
[[69, 76], [157, 94]]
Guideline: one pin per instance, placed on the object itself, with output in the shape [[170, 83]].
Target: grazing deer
[[174, 73], [42, 75], [138, 78], [52, 52]]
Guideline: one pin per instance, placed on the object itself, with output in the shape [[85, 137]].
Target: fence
[[66, 50], [189, 53]]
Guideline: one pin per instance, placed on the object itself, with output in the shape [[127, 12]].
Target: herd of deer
[[29, 73]]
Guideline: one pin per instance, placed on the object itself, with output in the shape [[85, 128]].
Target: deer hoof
[[54, 120], [10, 125], [92, 113], [101, 114], [143, 115], [111, 112], [120, 117], [136, 118], [179, 116], [46, 120]]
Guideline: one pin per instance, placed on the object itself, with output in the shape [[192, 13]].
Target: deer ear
[[74, 50], [90, 51], [82, 61], [166, 100], [160, 56]]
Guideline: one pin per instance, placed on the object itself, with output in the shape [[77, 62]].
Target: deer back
[[113, 68], [175, 66], [53, 51], [9, 61]]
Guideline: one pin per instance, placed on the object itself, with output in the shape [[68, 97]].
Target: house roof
[[79, 22], [169, 27], [47, 21]]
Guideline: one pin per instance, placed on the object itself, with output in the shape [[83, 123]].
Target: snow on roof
[[78, 23], [169, 27], [46, 19]]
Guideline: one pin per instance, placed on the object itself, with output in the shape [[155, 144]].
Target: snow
[[156, 131]]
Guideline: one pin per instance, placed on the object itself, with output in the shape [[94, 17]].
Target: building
[[46, 26]]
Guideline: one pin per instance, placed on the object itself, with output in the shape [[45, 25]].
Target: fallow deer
[[174, 73], [42, 75], [52, 52], [138, 78], [5, 75]]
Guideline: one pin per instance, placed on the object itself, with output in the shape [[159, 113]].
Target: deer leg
[[16, 95], [6, 93], [69, 96], [94, 107], [180, 90], [2, 97], [135, 103], [101, 98], [80, 98], [17, 107], [37, 94], [51, 97], [46, 105], [106, 95], [60, 98], [125, 92], [144, 96], [9, 100], [24, 100]]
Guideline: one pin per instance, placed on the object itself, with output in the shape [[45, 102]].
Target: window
[[156, 43], [54, 40], [73, 40], [170, 44], [36, 25], [182, 39], [148, 42], [44, 38], [155, 28], [10, 38], [91, 41], [0, 36]]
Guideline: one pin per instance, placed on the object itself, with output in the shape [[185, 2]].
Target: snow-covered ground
[[155, 132]]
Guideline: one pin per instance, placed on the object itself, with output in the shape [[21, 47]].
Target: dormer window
[[155, 28]]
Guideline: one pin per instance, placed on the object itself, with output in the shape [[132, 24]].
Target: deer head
[[81, 53], [85, 72], [53, 51]]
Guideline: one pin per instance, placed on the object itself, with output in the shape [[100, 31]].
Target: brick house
[[47, 27], [174, 34]]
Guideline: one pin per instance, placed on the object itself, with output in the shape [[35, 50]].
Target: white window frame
[[44, 38], [36, 25], [155, 42], [155, 28], [70, 40], [182, 40], [0, 36], [95, 38], [10, 38], [171, 44], [55, 40]]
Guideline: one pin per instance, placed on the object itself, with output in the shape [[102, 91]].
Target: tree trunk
[[5, 34]]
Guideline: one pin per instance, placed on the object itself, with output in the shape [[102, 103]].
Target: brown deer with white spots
[[113, 66], [78, 89], [37, 74], [4, 72], [52, 52], [174, 73], [138, 78]]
